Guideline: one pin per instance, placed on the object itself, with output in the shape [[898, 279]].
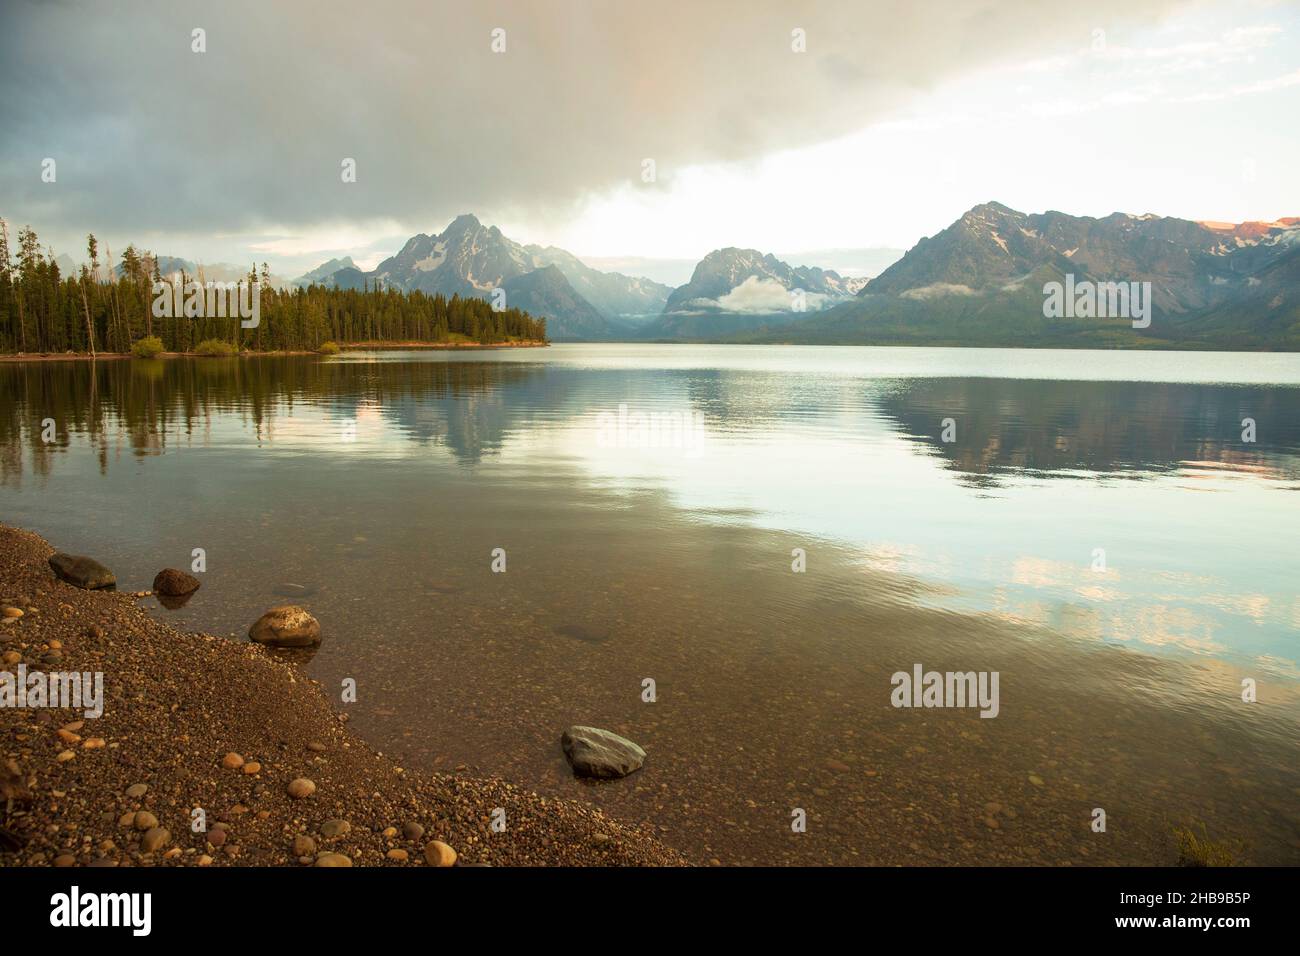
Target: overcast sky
[[897, 118]]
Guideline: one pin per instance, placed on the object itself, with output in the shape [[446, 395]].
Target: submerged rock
[[286, 626], [583, 632], [81, 571], [598, 753], [172, 583]]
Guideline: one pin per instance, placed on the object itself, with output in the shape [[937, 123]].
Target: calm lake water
[[1097, 531]]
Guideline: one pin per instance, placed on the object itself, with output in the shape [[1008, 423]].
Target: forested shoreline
[[107, 307]]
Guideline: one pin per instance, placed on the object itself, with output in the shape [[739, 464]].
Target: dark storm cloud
[[150, 136]]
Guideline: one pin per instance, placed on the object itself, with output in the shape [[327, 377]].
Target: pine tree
[[92, 248]]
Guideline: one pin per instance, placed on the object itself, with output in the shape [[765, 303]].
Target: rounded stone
[[172, 583], [333, 859], [437, 853], [286, 626], [144, 820], [412, 830], [155, 838], [333, 829], [301, 788], [232, 761]]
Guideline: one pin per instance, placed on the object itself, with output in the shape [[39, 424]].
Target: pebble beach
[[193, 722]]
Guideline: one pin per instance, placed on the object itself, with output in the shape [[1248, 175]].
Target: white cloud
[[758, 296], [938, 290], [886, 130], [1271, 85]]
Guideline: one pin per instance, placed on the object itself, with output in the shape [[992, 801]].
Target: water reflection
[[1099, 428], [856, 457], [148, 405], [1022, 426]]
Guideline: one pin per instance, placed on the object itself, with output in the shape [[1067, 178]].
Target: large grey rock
[[593, 752], [286, 626], [82, 572]]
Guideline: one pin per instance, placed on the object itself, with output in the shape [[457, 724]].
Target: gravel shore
[[195, 721]]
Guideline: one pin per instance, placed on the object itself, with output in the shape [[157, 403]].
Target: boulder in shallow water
[[172, 583], [598, 753], [286, 626], [81, 571]]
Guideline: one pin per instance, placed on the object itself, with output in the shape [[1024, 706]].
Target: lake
[[1099, 528]]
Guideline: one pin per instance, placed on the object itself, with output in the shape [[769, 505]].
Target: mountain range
[[978, 282], [736, 288], [981, 282], [470, 259]]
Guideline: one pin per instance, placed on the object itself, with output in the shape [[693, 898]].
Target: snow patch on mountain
[[430, 262]]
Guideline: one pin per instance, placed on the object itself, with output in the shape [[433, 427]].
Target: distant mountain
[[171, 267], [466, 259], [667, 272], [737, 290], [324, 272], [548, 293], [857, 265], [992, 245], [747, 281], [470, 259], [349, 277], [612, 293], [980, 282]]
